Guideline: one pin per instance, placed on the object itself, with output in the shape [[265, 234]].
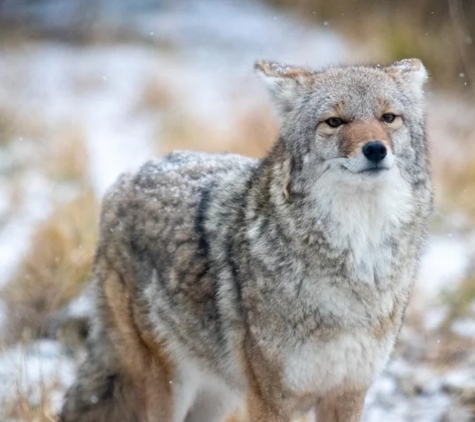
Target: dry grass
[[441, 32], [68, 155], [451, 128], [250, 130], [462, 300], [14, 123], [22, 409], [24, 135], [156, 96], [251, 134], [33, 399], [457, 190], [54, 271], [7, 125], [442, 347], [255, 132], [34, 147]]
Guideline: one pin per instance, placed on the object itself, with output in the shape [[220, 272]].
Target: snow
[[116, 141], [29, 371], [443, 265], [434, 317], [246, 29], [464, 327], [14, 236], [460, 379], [415, 392]]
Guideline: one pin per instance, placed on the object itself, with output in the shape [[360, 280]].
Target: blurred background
[[92, 88]]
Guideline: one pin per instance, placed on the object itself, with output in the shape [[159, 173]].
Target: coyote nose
[[375, 151]]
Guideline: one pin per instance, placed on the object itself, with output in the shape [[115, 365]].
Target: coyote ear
[[285, 83], [410, 71]]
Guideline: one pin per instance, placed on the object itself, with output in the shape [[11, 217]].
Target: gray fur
[[233, 260]]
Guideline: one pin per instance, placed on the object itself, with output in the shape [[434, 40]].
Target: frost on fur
[[285, 83], [411, 71]]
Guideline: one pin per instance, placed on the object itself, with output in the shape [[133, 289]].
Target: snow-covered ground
[[39, 371], [444, 264], [204, 51]]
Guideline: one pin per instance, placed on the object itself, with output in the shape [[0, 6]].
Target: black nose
[[375, 151]]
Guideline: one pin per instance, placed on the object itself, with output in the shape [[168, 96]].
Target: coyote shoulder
[[280, 282]]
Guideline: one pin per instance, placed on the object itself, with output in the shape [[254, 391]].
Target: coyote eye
[[334, 122], [388, 117]]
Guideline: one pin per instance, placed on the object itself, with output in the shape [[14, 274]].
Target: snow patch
[[31, 370], [15, 235], [464, 327], [443, 266]]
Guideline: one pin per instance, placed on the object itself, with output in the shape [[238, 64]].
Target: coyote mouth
[[373, 170]]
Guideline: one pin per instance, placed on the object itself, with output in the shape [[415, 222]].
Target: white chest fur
[[364, 217], [355, 358]]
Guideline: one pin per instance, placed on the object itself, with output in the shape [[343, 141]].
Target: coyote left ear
[[411, 71], [285, 83]]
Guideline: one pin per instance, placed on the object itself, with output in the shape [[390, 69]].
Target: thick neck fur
[[362, 218]]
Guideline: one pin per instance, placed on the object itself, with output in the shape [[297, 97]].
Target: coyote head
[[355, 124]]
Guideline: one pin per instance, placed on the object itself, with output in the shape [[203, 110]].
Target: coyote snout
[[367, 145]]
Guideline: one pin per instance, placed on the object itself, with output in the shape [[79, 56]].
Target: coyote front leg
[[341, 406]]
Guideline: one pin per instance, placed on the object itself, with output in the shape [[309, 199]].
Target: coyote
[[280, 282]]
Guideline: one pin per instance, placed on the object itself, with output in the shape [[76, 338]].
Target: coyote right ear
[[285, 83], [411, 71]]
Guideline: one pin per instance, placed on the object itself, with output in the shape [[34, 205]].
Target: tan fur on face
[[356, 134]]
